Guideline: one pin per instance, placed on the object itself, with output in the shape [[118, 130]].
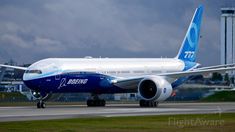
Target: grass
[[10, 95], [220, 96], [198, 122]]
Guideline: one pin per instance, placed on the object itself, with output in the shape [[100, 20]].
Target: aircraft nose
[[33, 84], [31, 79]]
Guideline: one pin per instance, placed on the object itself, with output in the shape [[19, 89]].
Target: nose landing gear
[[41, 97], [41, 104]]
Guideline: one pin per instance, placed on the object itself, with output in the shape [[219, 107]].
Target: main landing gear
[[145, 103], [95, 101]]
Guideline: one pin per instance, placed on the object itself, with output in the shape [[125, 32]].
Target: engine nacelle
[[154, 88]]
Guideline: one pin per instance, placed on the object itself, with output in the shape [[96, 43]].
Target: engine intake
[[148, 89], [154, 88]]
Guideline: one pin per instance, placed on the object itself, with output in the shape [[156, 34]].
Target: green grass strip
[[161, 123]]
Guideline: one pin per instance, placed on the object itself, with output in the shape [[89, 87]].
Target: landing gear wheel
[[155, 104], [41, 104], [102, 102], [142, 103], [93, 103], [145, 103], [38, 105]]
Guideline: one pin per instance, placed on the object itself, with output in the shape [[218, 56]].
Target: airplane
[[154, 79]]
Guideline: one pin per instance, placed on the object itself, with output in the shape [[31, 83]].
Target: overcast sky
[[31, 30]]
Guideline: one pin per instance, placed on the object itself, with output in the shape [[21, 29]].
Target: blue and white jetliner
[[153, 78]]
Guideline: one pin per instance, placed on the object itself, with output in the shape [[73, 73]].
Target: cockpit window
[[34, 71]]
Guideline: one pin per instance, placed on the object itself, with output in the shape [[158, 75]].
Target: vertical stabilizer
[[189, 45]]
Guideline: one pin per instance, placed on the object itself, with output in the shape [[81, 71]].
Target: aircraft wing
[[127, 83], [14, 67], [131, 83], [217, 66], [196, 72]]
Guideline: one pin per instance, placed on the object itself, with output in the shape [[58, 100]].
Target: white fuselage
[[117, 67]]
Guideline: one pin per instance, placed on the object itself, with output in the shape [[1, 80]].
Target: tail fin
[[189, 46]]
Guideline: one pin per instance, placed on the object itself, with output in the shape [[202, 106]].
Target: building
[[228, 37]]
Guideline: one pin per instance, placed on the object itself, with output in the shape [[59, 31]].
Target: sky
[[31, 30]]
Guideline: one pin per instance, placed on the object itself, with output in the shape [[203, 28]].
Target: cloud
[[51, 45], [32, 30], [13, 40]]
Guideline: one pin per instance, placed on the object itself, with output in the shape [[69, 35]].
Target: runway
[[111, 110]]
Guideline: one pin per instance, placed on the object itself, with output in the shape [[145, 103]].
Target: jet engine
[[154, 88]]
